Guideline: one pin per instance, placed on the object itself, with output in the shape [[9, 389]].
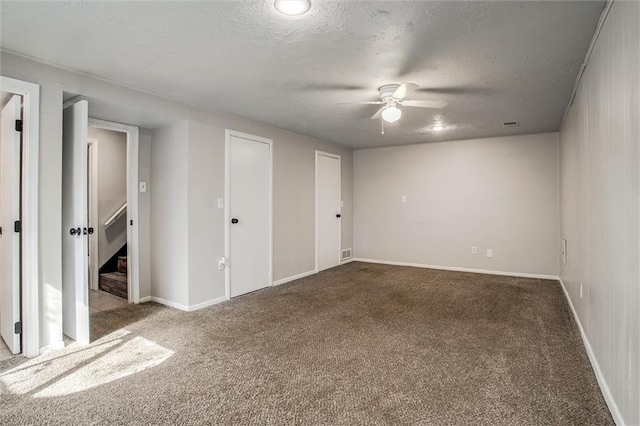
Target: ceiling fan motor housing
[[387, 91]]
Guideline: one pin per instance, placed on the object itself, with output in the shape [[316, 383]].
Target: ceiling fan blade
[[425, 104], [360, 103], [404, 89], [378, 113]]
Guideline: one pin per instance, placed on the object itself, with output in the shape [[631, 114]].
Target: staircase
[[116, 282]]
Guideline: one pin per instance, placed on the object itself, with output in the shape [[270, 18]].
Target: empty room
[[320, 212]]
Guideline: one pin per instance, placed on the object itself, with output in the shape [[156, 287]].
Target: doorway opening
[[99, 217], [107, 209]]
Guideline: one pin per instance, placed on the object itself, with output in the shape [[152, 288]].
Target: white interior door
[[328, 211], [75, 271], [9, 213], [249, 208]]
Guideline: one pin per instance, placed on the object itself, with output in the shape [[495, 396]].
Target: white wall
[[293, 251], [169, 214], [496, 193], [144, 216], [203, 162], [599, 208], [112, 190], [206, 221]]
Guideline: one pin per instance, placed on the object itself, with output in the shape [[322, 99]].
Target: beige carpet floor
[[358, 344]]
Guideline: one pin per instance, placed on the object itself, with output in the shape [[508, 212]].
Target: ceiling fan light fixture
[[292, 7], [391, 114]]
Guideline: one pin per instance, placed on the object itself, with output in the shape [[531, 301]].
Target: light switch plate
[[220, 203], [489, 253], [143, 186]]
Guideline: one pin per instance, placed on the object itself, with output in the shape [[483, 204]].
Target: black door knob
[[338, 216], [234, 220]]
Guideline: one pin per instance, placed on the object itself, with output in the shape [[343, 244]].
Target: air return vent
[[507, 124], [346, 254]]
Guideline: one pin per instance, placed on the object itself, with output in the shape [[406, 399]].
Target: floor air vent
[[346, 254]]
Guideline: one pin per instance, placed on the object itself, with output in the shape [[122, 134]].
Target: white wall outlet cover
[[489, 253], [220, 203], [143, 186], [404, 198], [341, 203], [474, 250]]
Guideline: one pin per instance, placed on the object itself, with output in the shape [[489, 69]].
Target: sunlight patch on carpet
[[79, 368]]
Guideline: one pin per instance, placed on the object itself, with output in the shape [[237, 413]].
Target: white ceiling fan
[[392, 96]]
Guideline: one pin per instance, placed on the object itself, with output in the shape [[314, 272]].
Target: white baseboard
[[54, 346], [606, 392], [294, 277], [145, 299], [344, 262], [183, 307], [207, 303], [169, 303], [457, 269]]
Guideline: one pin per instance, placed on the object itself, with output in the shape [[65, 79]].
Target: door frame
[[93, 211], [133, 228], [339, 158], [29, 204], [227, 189]]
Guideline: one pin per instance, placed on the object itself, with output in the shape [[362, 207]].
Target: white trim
[[606, 392], [457, 269], [54, 346], [344, 262], [182, 307], [30, 193], [207, 303], [227, 188], [169, 303], [133, 231], [93, 214], [294, 277], [339, 158]]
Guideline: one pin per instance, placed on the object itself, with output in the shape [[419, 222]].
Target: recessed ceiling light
[[438, 127], [292, 7]]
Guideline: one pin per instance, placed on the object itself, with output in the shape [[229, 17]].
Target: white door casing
[[328, 210], [249, 201], [133, 226], [92, 174], [75, 272], [9, 213]]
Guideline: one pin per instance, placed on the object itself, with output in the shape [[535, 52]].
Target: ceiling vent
[[508, 124]]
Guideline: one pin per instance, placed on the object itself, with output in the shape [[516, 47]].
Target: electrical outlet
[[489, 253], [404, 198], [474, 250]]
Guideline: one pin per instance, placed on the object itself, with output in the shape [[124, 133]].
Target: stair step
[[122, 264], [114, 283]]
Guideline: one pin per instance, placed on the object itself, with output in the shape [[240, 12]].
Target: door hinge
[[17, 226], [17, 328], [0, 230], [18, 125]]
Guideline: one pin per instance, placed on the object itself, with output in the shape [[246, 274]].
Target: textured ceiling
[[492, 61]]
